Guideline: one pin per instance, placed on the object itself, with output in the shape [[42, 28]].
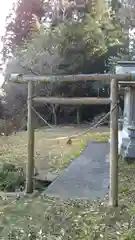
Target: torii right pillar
[[126, 135]]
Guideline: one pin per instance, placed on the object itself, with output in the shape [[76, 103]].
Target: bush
[[12, 178], [129, 235]]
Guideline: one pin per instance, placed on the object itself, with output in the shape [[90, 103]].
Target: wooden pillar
[[113, 194], [30, 129]]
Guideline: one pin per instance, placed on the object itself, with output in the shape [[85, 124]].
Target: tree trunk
[[54, 115], [78, 116]]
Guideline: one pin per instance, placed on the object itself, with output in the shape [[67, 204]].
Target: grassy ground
[[51, 151], [41, 218]]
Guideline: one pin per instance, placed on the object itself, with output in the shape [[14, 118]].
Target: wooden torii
[[114, 79]]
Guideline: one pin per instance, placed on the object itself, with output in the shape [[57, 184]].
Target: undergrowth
[[12, 178]]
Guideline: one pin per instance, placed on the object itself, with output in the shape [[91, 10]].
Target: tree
[[41, 54], [124, 15], [62, 10], [71, 46], [18, 23], [88, 41], [81, 45], [19, 19], [128, 18]]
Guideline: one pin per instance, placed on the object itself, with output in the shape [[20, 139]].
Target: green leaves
[[71, 45], [40, 55], [11, 178]]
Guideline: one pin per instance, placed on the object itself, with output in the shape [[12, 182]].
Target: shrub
[[129, 235], [12, 178]]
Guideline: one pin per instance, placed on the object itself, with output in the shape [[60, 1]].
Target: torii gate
[[124, 77]]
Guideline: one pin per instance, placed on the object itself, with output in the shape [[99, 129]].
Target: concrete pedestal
[[126, 145], [126, 135], [130, 150]]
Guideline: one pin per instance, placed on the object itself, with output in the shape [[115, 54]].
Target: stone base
[[126, 148], [130, 151], [123, 141]]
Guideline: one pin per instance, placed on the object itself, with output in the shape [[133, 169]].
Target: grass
[[51, 151], [40, 217], [49, 218]]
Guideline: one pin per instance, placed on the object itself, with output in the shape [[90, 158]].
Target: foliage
[[18, 23], [11, 177], [129, 235], [124, 13], [75, 41], [88, 42], [86, 32], [40, 55], [70, 45]]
